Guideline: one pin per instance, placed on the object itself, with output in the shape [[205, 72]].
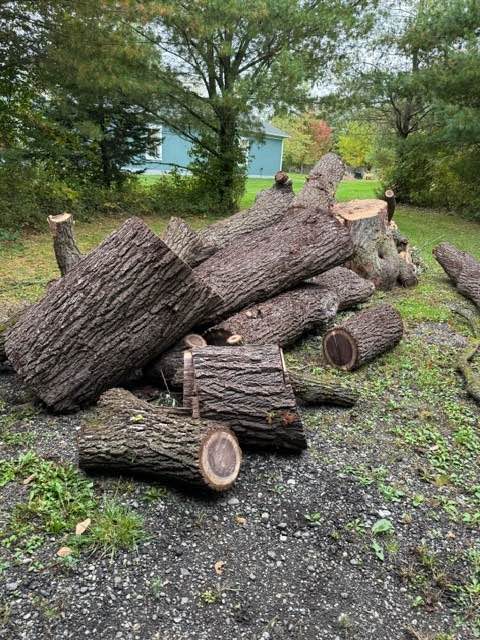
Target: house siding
[[264, 158]]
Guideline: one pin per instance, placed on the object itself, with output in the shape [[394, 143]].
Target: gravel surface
[[294, 534]]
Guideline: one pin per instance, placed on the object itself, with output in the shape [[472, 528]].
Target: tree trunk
[[126, 434], [269, 208], [462, 269], [363, 337], [349, 287], [281, 320], [391, 204], [319, 190], [311, 391], [66, 251], [264, 263], [227, 160], [246, 388], [124, 303], [187, 243], [376, 257]]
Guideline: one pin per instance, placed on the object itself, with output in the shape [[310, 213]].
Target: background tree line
[[85, 86]]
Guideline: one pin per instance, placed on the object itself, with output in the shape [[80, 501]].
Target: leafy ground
[[373, 533]]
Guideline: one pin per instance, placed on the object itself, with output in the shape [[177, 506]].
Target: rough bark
[[248, 389], [319, 190], [168, 368], [311, 391], [124, 303], [349, 287], [462, 269], [261, 264], [187, 243], [363, 337], [391, 203], [269, 208], [281, 320], [66, 251], [126, 434], [376, 257]]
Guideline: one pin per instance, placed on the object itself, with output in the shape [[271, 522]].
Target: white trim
[[250, 175], [281, 156]]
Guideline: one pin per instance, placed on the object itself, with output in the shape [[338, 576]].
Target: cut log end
[[234, 340], [193, 340], [220, 459], [54, 221], [340, 349]]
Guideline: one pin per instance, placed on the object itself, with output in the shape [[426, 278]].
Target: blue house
[[264, 158]]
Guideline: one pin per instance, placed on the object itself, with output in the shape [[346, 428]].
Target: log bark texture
[[248, 389], [311, 391], [127, 301], [281, 320], [321, 185], [66, 251], [264, 263], [462, 269], [168, 368], [126, 434], [350, 288], [363, 337], [269, 207], [187, 243], [376, 257]]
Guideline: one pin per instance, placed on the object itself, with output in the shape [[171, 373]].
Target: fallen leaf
[[451, 535], [219, 566], [240, 520], [82, 526], [63, 552], [29, 479]]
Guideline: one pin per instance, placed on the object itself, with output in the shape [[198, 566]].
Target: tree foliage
[[309, 139], [355, 144]]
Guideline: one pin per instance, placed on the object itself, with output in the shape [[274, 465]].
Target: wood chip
[[219, 567]]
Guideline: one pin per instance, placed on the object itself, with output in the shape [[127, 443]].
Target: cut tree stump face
[[220, 459], [340, 350]]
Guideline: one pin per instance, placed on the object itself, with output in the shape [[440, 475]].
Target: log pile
[[208, 312]]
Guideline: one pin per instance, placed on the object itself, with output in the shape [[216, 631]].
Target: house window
[[157, 138]]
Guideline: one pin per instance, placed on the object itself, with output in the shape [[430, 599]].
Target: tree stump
[[124, 303], [462, 269], [363, 337], [248, 389], [375, 257], [126, 434], [66, 251]]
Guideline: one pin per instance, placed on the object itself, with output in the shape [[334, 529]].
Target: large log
[[269, 208], [126, 434], [319, 190], [281, 320], [167, 369], [124, 303], [350, 288], [376, 256], [66, 251], [263, 263], [462, 269], [363, 337], [248, 389], [187, 243]]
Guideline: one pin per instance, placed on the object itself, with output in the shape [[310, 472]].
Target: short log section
[[363, 337], [129, 435], [462, 269], [66, 251], [246, 388]]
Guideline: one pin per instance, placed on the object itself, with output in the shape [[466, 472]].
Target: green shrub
[[177, 194]]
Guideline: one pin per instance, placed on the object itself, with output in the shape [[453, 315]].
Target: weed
[[210, 596], [115, 527], [154, 493]]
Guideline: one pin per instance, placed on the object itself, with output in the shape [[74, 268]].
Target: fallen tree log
[[263, 263], [363, 337], [350, 288], [375, 256], [269, 208], [464, 366], [66, 251], [311, 391], [248, 389], [321, 185], [187, 243], [168, 368], [126, 434], [281, 320], [127, 301], [462, 269]]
